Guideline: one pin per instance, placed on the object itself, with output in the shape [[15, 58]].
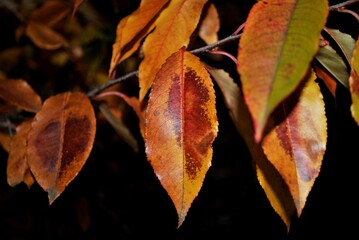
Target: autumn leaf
[[5, 141], [209, 25], [77, 4], [354, 83], [297, 142], [174, 28], [268, 177], [132, 29], [19, 93], [60, 141], [17, 166], [279, 41], [44, 37], [181, 125], [328, 79]]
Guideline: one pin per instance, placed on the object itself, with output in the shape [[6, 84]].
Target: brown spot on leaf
[[174, 107]]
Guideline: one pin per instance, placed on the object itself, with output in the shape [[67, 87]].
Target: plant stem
[[216, 44], [343, 4]]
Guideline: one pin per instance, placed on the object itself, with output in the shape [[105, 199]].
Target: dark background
[[117, 196]]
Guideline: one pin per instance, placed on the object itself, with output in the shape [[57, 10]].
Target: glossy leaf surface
[[297, 142], [60, 141], [279, 41], [174, 28], [181, 125]]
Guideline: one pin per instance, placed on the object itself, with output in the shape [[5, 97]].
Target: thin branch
[[112, 82], [216, 44], [343, 4]]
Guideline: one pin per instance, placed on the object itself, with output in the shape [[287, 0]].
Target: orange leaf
[[50, 13], [60, 141], [19, 93], [174, 28], [297, 143], [209, 26], [77, 4], [44, 37], [5, 141], [268, 177], [17, 167], [327, 78], [133, 28], [181, 125]]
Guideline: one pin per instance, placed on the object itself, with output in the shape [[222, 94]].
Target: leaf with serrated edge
[[297, 140], [174, 28], [60, 141], [268, 177], [181, 125], [354, 83], [279, 41]]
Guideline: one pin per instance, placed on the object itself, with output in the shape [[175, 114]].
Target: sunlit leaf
[[354, 83], [174, 28], [279, 41], [268, 177], [60, 141], [209, 26], [133, 28], [181, 125], [19, 93], [17, 166], [297, 142]]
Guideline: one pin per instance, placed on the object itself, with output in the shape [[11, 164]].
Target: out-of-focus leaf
[[269, 178], [297, 141], [9, 58], [77, 4], [209, 26], [337, 63], [181, 125], [174, 28], [119, 127], [44, 37], [51, 13], [60, 141], [5, 141], [17, 167], [133, 28], [327, 78], [279, 41], [354, 83], [19, 93]]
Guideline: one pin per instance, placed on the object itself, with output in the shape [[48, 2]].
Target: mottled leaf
[[297, 142], [354, 83], [60, 141], [181, 125], [133, 28], [17, 166], [268, 177], [209, 25], [174, 28], [279, 41], [19, 93]]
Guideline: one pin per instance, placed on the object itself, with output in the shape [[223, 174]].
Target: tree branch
[[343, 4]]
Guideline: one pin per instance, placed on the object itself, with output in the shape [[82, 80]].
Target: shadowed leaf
[[174, 28], [279, 41], [17, 166], [19, 93], [133, 28], [181, 125], [209, 26], [60, 141], [268, 177], [297, 142]]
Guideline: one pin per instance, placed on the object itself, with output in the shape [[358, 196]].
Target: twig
[[343, 4], [216, 44]]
